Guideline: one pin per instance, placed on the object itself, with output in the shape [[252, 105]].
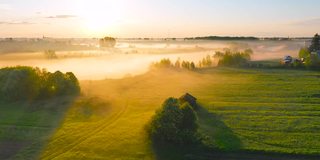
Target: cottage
[[190, 99]]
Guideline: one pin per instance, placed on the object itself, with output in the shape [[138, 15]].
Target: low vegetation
[[27, 83]]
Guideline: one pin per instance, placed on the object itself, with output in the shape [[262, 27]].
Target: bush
[[174, 123], [27, 83]]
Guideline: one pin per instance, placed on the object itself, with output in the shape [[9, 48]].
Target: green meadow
[[252, 110], [26, 127], [248, 113]]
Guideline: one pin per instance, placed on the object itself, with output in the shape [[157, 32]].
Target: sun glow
[[100, 17]]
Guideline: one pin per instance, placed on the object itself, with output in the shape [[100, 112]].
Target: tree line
[[234, 58], [220, 58], [223, 38], [28, 83]]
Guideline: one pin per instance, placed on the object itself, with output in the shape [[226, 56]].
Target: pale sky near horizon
[[158, 18]]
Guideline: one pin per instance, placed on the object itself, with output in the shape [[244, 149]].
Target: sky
[[158, 18]]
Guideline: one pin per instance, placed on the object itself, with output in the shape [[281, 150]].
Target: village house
[[190, 99]]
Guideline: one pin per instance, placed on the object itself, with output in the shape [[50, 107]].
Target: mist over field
[[133, 57], [159, 80]]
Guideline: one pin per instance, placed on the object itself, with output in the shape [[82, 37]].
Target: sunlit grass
[[265, 110]]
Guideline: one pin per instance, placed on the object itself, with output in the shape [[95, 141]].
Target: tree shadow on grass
[[36, 123], [217, 133], [215, 136], [218, 142]]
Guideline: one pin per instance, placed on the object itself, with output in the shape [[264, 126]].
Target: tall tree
[[315, 43]]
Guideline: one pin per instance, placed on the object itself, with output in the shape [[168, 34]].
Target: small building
[[190, 99]]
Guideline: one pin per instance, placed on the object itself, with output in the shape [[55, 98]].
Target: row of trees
[[166, 63], [175, 122], [27, 83], [225, 58], [234, 58], [190, 65]]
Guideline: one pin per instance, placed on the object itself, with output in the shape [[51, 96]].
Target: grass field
[[26, 127], [245, 113], [251, 110]]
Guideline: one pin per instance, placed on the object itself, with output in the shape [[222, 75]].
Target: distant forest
[[222, 38], [242, 38], [10, 45]]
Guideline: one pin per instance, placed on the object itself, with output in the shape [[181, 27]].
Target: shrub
[[174, 123]]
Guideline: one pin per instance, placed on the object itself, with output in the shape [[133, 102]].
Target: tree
[[174, 123], [309, 55], [73, 86], [107, 42], [315, 44], [192, 66], [20, 83], [164, 63], [189, 118], [27, 83], [304, 53], [50, 54], [178, 63]]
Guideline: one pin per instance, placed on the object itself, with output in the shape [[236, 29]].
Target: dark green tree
[[27, 83], [174, 123], [315, 44]]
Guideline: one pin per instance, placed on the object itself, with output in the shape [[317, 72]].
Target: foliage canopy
[[174, 123], [27, 83]]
